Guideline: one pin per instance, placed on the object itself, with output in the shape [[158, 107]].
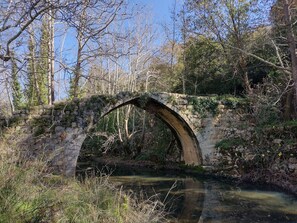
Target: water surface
[[190, 199], [193, 199]]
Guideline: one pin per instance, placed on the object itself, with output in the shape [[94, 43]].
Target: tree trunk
[[292, 48], [8, 93], [34, 72], [51, 62], [77, 70]]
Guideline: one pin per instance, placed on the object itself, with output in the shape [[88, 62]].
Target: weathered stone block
[[59, 129]]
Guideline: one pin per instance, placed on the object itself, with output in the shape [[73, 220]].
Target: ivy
[[143, 99], [230, 143], [204, 105]]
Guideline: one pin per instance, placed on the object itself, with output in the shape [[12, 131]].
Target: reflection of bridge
[[59, 131]]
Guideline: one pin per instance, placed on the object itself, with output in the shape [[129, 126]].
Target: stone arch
[[186, 136]]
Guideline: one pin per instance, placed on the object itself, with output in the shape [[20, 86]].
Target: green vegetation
[[204, 105], [31, 194], [227, 144], [192, 169], [234, 102], [17, 96], [141, 137]]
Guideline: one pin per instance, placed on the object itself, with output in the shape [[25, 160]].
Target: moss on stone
[[15, 120], [143, 99], [233, 102], [67, 120], [39, 130], [41, 121], [204, 105], [230, 143], [172, 100]]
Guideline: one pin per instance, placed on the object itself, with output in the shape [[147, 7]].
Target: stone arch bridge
[[57, 132]]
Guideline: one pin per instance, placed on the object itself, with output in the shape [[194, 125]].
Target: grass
[[28, 193]]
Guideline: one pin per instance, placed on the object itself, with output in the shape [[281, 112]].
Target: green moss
[[192, 168], [61, 105], [204, 105], [39, 131], [143, 99], [41, 121], [68, 119], [99, 100], [290, 123], [15, 120], [233, 102], [172, 100], [230, 143]]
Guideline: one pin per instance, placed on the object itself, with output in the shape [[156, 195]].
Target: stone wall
[[57, 132]]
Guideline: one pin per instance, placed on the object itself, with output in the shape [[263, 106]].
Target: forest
[[56, 50], [243, 50], [59, 50]]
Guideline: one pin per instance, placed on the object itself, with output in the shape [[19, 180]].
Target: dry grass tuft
[[28, 193]]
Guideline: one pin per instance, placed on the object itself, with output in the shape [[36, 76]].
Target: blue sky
[[161, 12], [160, 8]]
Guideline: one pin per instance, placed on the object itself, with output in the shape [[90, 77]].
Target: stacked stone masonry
[[57, 132]]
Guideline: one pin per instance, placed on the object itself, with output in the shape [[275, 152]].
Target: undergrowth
[[29, 193]]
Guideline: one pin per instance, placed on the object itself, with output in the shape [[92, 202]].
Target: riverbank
[[262, 154], [29, 192], [262, 179]]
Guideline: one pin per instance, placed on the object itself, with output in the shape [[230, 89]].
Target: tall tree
[[16, 86], [32, 90], [44, 61], [289, 10], [51, 53], [229, 22], [91, 21]]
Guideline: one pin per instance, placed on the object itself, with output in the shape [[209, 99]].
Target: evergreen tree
[[16, 86], [43, 63], [31, 90]]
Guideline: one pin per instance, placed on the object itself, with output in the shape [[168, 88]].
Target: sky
[[161, 12], [160, 8]]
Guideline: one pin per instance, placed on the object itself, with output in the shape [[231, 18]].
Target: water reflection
[[191, 200], [183, 197], [196, 200]]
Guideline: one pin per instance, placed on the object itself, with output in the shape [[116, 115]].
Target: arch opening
[[183, 133], [157, 144], [190, 146]]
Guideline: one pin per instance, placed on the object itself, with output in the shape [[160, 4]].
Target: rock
[[293, 160], [59, 129], [277, 141], [249, 157], [292, 166], [275, 167]]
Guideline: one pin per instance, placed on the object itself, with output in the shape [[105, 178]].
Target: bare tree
[[90, 22]]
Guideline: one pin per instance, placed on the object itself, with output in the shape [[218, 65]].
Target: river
[[190, 199]]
